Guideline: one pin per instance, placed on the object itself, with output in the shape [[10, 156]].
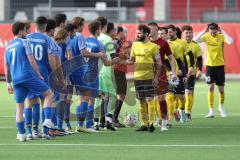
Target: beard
[[141, 39]]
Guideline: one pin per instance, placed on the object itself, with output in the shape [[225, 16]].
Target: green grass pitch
[[201, 139]]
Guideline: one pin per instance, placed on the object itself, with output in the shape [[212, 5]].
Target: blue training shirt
[[41, 46], [17, 61], [78, 44], [94, 46]]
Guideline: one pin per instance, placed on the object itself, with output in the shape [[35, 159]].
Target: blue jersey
[[17, 61], [94, 46], [66, 47], [78, 44], [42, 45]]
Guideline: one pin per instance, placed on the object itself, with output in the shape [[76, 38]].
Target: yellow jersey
[[178, 48], [196, 50], [214, 49], [143, 55]]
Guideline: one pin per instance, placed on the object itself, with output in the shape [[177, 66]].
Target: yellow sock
[[143, 113], [176, 103], [188, 102], [157, 108], [181, 103], [151, 111], [210, 99], [170, 105], [220, 98]]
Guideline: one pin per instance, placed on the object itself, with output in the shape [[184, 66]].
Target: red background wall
[[232, 52], [178, 8]]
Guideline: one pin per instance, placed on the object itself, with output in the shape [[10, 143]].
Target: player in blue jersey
[[93, 45], [71, 32], [26, 77], [79, 49], [65, 100], [43, 50]]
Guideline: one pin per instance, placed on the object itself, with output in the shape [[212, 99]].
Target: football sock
[[54, 117], [102, 118], [117, 110], [43, 116], [36, 116], [106, 102], [143, 113], [89, 116], [97, 107], [81, 112], [67, 114], [163, 105], [181, 103], [45, 130], [20, 127], [157, 108], [210, 99], [176, 103], [151, 111], [111, 104], [47, 112], [220, 98], [189, 102], [28, 120], [170, 105], [60, 113]]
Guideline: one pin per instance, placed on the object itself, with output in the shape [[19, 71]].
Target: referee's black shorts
[[121, 82]]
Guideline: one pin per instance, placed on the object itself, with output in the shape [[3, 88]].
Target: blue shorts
[[83, 85], [34, 86], [94, 88]]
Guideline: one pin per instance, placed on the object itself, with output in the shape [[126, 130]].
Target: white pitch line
[[125, 145], [7, 127]]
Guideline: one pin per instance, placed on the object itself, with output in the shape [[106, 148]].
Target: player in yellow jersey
[[214, 39], [179, 48], [147, 65], [192, 46]]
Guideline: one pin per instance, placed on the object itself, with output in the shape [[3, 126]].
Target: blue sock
[[45, 130], [67, 114], [89, 117], [28, 120], [43, 116], [54, 116], [20, 127], [60, 114], [47, 112], [36, 116], [81, 112]]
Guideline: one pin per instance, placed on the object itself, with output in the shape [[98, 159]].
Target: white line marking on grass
[[125, 145], [7, 127], [7, 116]]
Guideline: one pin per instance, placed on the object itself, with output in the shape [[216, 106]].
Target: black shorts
[[144, 89], [189, 85], [215, 75], [121, 82], [180, 89]]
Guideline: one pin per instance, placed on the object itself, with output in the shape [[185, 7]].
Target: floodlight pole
[[50, 8], [119, 10], [188, 11]]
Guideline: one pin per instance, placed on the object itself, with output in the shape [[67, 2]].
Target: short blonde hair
[[60, 34]]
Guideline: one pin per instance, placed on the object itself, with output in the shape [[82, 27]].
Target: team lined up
[[159, 57]]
